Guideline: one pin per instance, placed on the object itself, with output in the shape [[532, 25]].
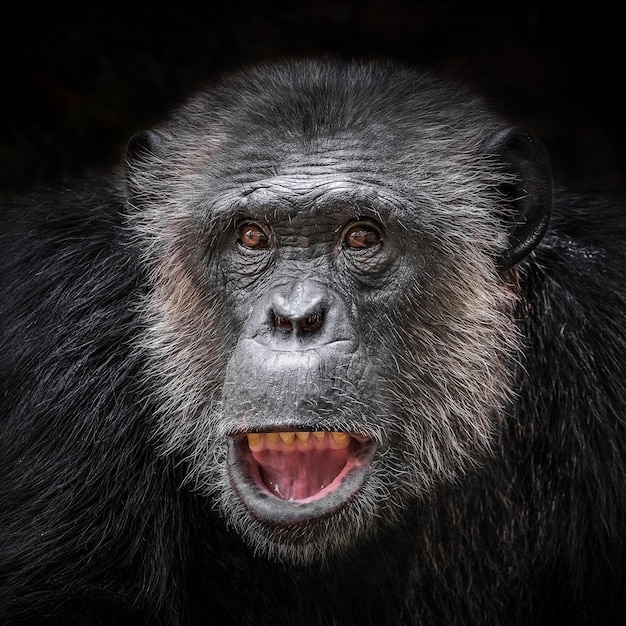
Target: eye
[[252, 236], [360, 235]]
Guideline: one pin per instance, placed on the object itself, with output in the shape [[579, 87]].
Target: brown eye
[[253, 237], [361, 235]]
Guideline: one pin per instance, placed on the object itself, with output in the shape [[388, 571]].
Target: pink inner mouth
[[302, 465]]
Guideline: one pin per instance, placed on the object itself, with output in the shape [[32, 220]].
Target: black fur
[[95, 527]]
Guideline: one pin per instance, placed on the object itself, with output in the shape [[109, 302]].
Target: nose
[[300, 308]]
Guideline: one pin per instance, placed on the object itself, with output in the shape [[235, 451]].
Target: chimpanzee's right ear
[[139, 149], [144, 143]]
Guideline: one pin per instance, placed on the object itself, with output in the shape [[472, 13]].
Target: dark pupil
[[362, 238]]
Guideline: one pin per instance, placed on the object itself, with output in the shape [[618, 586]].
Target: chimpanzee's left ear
[[530, 198]]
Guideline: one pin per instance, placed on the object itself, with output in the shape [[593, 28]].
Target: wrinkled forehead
[[325, 178], [319, 195]]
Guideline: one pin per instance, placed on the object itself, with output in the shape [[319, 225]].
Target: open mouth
[[298, 467]]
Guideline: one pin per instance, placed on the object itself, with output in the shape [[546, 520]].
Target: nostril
[[283, 323], [306, 325], [312, 323]]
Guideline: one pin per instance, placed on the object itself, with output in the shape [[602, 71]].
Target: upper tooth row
[[258, 441]]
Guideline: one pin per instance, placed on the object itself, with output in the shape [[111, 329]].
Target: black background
[[77, 81]]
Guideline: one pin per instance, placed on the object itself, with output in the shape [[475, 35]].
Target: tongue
[[296, 474]]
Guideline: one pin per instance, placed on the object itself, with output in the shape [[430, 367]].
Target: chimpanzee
[[327, 350]]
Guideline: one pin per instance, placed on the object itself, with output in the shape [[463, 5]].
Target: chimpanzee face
[[330, 331]]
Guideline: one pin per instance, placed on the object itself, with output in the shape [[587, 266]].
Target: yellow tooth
[[287, 438], [340, 439], [255, 440], [319, 435], [303, 437], [272, 438]]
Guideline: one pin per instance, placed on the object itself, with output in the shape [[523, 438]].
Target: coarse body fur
[[495, 397]]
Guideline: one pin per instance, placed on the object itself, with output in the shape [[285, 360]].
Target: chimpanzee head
[[331, 329]]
